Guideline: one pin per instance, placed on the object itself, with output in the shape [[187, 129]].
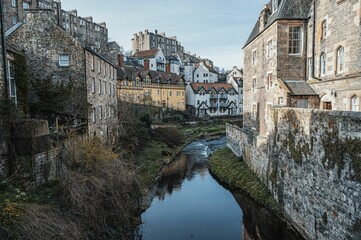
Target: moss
[[224, 164], [357, 226], [336, 149]]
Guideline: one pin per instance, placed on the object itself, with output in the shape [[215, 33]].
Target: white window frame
[[323, 59], [64, 60], [355, 103], [12, 82], [13, 3], [93, 85], [340, 65], [293, 42]]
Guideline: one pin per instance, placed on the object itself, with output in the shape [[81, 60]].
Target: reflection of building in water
[[173, 175]]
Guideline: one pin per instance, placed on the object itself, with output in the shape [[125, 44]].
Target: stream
[[187, 202]]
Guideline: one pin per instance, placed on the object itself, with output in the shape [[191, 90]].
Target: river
[[187, 202]]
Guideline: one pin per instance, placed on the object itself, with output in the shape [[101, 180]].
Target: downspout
[[86, 93], [4, 50], [314, 42]]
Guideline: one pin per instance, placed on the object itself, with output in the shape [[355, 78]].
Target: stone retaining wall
[[311, 162]]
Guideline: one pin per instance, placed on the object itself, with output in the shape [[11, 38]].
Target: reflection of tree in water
[[261, 224], [186, 166]]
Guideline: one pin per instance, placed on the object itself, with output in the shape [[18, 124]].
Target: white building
[[235, 77], [213, 99], [174, 64], [189, 68], [205, 74], [155, 58]]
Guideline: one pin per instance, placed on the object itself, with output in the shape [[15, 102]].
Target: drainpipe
[[4, 50], [314, 41], [86, 93]]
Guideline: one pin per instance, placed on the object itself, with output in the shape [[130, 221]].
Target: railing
[[214, 97], [214, 105], [223, 96]]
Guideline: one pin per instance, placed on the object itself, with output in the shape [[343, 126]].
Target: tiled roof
[[210, 69], [210, 86], [146, 54], [299, 88], [287, 10]]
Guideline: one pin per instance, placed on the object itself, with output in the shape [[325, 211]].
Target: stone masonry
[[311, 164]]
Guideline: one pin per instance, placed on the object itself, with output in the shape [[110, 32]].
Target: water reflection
[[189, 203]]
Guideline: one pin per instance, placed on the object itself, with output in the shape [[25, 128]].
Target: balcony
[[223, 105], [223, 96], [214, 105], [214, 97]]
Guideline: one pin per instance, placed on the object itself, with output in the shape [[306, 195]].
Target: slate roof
[[171, 57], [287, 10], [210, 69], [130, 73], [146, 54], [209, 86], [188, 60], [299, 88]]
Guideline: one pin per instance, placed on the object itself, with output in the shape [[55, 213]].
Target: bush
[[169, 135]]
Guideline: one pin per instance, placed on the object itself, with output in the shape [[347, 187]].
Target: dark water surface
[[189, 203]]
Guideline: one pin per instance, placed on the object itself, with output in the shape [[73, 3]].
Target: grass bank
[[225, 165]]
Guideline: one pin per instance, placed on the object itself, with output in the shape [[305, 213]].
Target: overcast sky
[[214, 29]]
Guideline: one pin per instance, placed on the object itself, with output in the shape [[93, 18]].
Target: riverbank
[[225, 165]]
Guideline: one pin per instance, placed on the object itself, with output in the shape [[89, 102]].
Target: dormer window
[[274, 5]]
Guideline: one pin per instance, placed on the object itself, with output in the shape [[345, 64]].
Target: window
[[99, 66], [25, 5], [170, 93], [254, 111], [302, 103], [323, 64], [92, 62], [324, 29], [270, 49], [113, 90], [93, 86], [94, 115], [254, 85], [254, 57], [110, 89], [198, 102], [158, 92], [101, 112], [280, 100], [295, 40], [64, 60], [12, 83], [14, 19], [13, 3], [274, 5], [100, 86], [105, 87], [355, 103], [269, 81], [340, 60]]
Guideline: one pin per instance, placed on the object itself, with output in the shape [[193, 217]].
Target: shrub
[[169, 135]]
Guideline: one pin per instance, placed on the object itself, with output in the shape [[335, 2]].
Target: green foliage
[[50, 98], [225, 165]]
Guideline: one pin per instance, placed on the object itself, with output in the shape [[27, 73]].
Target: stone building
[[334, 53], [147, 41], [89, 33], [274, 52], [54, 55]]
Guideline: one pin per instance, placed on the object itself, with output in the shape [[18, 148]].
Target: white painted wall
[[203, 75]]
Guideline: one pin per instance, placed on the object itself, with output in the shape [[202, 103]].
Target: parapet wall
[[311, 162]]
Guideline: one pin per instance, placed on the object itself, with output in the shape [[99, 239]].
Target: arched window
[[340, 65], [355, 103], [323, 64]]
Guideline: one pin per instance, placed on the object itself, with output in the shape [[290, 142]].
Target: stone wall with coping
[[311, 162]]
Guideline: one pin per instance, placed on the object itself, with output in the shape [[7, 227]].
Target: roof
[[130, 73], [287, 10], [146, 54], [171, 57], [98, 55], [210, 69], [299, 88], [209, 86]]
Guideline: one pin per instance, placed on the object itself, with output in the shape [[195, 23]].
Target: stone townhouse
[[146, 40], [213, 99], [144, 86], [54, 55], [275, 53], [334, 53], [82, 28]]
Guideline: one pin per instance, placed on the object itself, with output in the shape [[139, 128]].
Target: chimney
[[103, 24], [263, 17], [121, 59], [74, 12], [89, 19], [146, 64], [167, 67], [156, 32]]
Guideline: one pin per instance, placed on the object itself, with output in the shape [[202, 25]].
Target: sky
[[213, 29]]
